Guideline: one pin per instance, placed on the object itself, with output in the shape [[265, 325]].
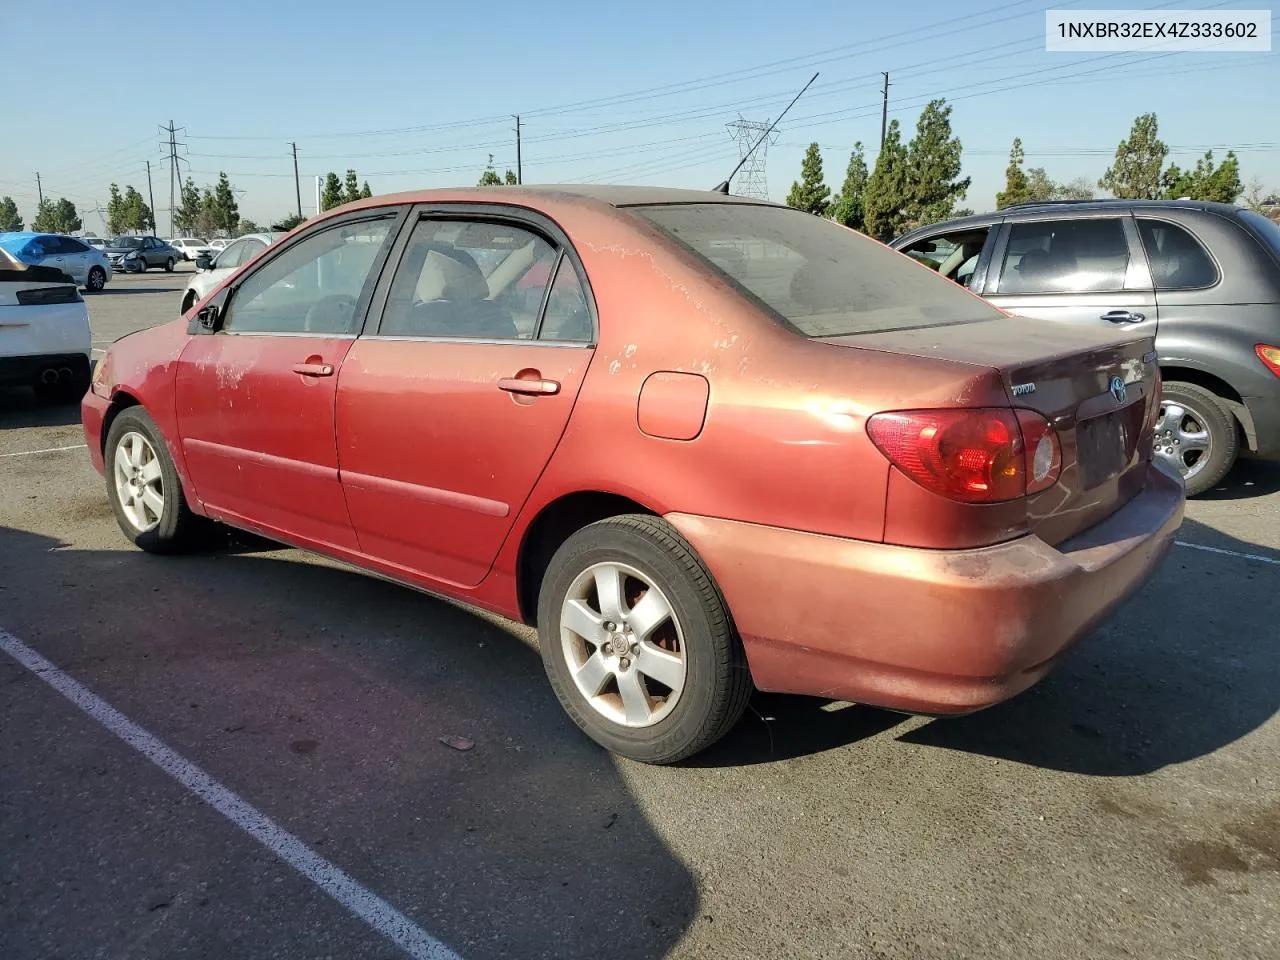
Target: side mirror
[[208, 317]]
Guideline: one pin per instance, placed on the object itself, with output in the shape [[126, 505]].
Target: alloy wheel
[[623, 644], [1183, 438], [139, 481]]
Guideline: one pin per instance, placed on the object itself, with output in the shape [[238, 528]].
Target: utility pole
[[318, 181], [884, 110], [39, 189], [297, 184], [152, 197], [519, 172], [173, 172]]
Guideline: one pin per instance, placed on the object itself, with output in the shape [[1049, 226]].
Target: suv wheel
[[1197, 434]]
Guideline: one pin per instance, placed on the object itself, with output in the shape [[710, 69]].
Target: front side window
[[952, 255], [442, 289], [818, 278], [312, 287], [1065, 256], [1176, 258]]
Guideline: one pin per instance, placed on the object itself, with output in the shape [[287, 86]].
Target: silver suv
[[1204, 277]]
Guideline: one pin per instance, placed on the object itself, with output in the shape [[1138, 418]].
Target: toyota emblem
[[1118, 389]]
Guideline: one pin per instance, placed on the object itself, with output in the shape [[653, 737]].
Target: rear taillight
[[976, 456], [1270, 356]]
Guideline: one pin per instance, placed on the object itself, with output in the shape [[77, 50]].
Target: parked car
[[190, 247], [96, 242], [1202, 278], [212, 269], [820, 468], [88, 267], [219, 244], [45, 343], [137, 254]]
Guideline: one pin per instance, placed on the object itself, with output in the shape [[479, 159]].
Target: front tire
[[144, 489], [1197, 435], [638, 643]]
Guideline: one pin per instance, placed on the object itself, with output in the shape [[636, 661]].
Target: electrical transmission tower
[[752, 181]]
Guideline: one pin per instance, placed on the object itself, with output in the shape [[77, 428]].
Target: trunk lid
[[1098, 388]]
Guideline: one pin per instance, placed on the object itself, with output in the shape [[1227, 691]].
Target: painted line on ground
[[1228, 553], [361, 901], [32, 453]]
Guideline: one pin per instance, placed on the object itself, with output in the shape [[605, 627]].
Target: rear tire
[[168, 265], [690, 642], [1197, 435], [170, 527], [97, 279]]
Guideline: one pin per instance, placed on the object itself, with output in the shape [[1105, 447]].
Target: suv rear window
[[1268, 231], [819, 278]]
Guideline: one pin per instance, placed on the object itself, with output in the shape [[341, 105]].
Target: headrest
[[448, 278]]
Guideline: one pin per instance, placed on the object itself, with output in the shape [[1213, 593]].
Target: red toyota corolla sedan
[[718, 443]]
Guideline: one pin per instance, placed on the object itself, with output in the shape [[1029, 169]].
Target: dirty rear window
[[820, 278]]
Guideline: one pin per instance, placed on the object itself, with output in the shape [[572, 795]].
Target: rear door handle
[[1123, 316], [537, 387], [314, 369]]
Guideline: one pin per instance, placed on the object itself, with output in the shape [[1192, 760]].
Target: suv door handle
[[1123, 316], [314, 369], [536, 387]]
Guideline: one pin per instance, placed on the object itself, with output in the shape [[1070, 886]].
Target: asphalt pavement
[[239, 754]]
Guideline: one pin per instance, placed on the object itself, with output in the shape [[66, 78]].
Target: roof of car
[[1068, 207], [614, 195]]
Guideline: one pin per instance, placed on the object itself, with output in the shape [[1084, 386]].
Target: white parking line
[[1228, 553], [362, 902], [32, 453]]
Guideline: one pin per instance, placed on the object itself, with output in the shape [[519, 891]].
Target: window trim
[[1137, 276], [522, 217], [397, 213], [1213, 261]]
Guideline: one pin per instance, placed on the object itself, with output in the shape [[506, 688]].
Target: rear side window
[[1065, 256], [821, 279], [1268, 231], [1177, 259]]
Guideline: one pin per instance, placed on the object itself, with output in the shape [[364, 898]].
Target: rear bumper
[[1265, 413], [26, 371], [927, 631], [93, 411]]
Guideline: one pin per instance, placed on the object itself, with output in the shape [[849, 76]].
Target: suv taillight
[[984, 455]]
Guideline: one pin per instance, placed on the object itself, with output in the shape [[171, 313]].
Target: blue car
[[87, 266]]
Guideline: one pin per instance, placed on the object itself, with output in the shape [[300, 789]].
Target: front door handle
[[535, 387], [314, 369], [1123, 316]]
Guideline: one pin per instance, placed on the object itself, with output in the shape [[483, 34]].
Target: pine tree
[[9, 218], [331, 195], [885, 199], [509, 179], [351, 190], [226, 210], [1220, 184], [933, 168], [809, 193], [1135, 174], [1016, 184], [365, 192], [849, 207]]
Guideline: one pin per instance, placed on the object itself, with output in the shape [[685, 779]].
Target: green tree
[[1135, 174], [490, 176], [287, 224], [186, 219], [248, 226], [365, 192], [1205, 182], [115, 212], [56, 216], [9, 218], [225, 208], [128, 211], [1078, 189], [848, 206], [933, 182], [1016, 183], [810, 193], [331, 195], [351, 189], [885, 199], [509, 178]]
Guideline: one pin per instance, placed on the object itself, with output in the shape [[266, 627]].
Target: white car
[[45, 341], [190, 247], [220, 243], [212, 270]]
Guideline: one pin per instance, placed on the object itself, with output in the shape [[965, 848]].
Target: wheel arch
[[1220, 388], [551, 527], [121, 400]]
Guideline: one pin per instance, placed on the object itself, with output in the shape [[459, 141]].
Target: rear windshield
[[1267, 230], [820, 278]]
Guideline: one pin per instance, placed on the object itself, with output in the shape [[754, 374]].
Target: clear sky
[[419, 94]]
